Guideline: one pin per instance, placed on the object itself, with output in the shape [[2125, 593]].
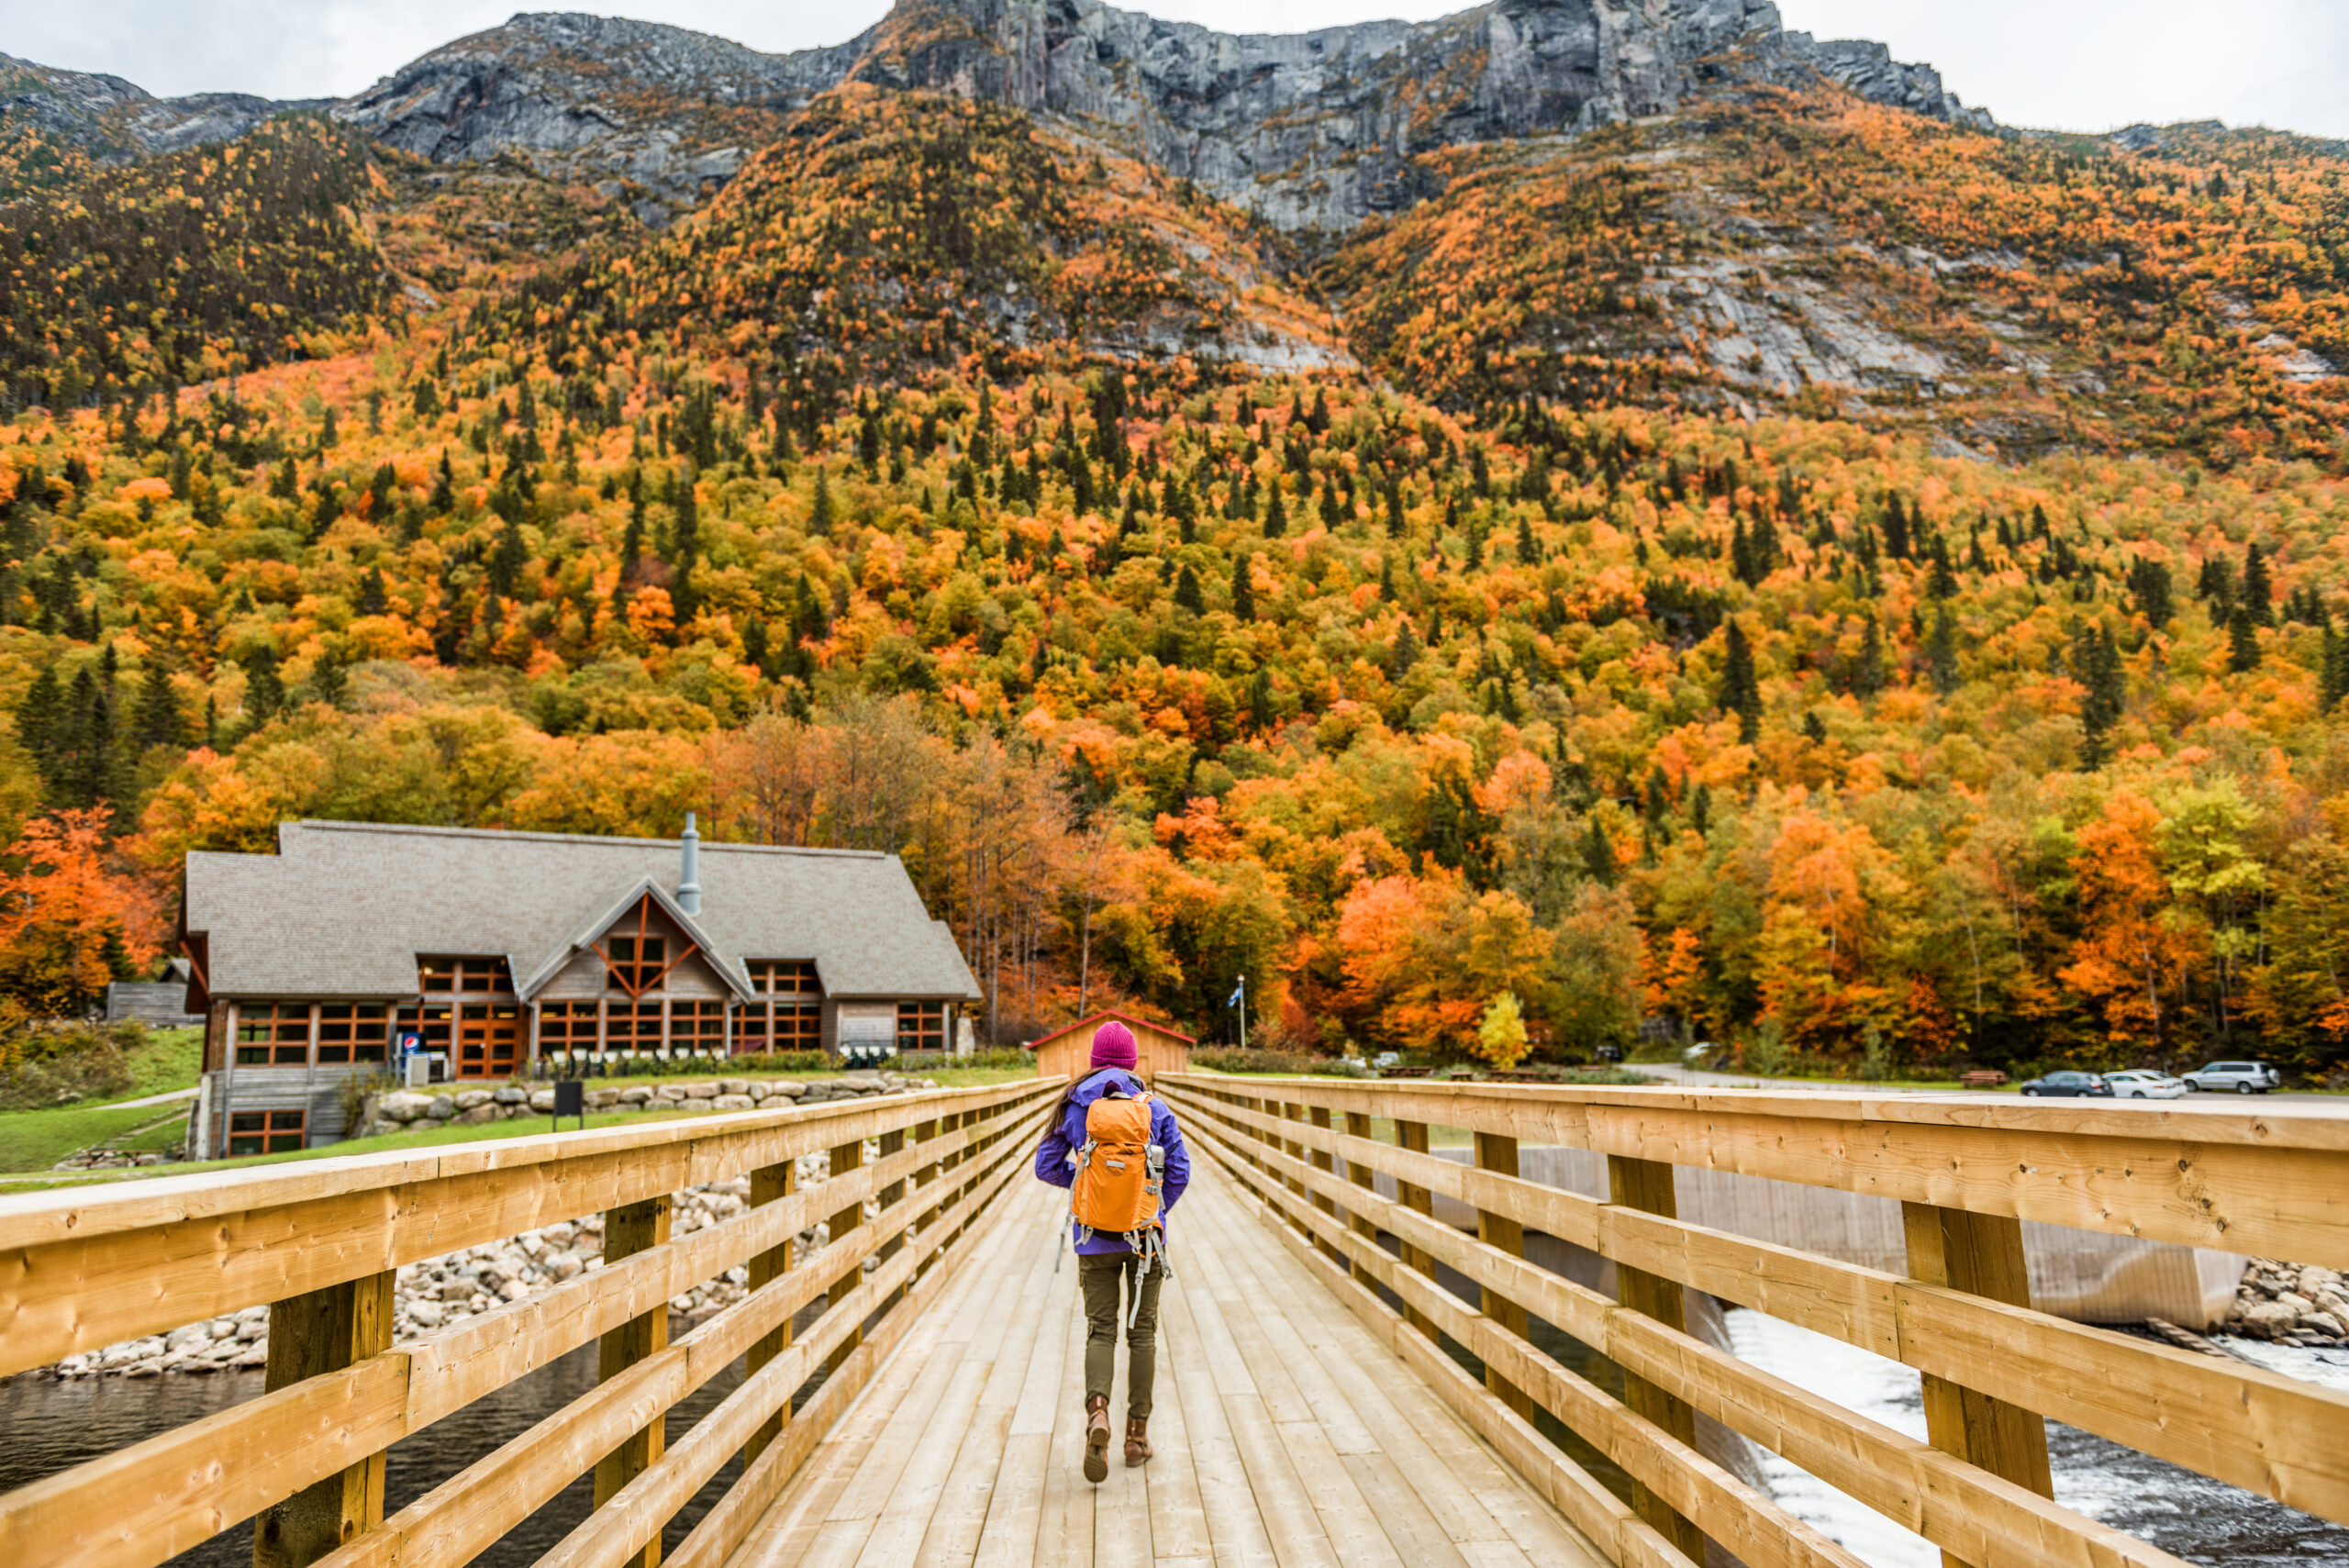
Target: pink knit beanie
[[1113, 1046]]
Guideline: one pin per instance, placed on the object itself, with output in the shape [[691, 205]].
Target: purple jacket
[[1066, 1136]]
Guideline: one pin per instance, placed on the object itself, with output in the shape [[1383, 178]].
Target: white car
[[2144, 1083], [2242, 1077]]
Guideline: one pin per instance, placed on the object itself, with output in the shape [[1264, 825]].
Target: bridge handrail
[[1967, 1173], [318, 1244]]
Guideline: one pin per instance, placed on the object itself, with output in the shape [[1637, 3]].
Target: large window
[[697, 1026], [274, 1035], [635, 964], [352, 1032], [632, 1027], [798, 1025], [566, 1028], [921, 1026], [482, 976], [266, 1132]]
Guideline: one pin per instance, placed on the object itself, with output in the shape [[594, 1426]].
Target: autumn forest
[[1397, 620]]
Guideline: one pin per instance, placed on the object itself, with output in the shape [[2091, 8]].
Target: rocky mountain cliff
[[1311, 130]]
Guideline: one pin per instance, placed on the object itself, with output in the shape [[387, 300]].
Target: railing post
[[317, 1332], [1319, 1115], [630, 1229], [1980, 1254], [929, 1132], [1497, 1153], [845, 1157], [893, 1231], [1647, 1185], [1413, 1136], [1358, 1126], [769, 1183]]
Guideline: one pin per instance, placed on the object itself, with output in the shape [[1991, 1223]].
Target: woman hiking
[[1117, 1147]]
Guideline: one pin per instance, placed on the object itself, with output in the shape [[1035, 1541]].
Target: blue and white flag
[[1236, 992]]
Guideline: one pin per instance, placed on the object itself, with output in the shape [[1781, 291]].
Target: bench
[[1982, 1078]]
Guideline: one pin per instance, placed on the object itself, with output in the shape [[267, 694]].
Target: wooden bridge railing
[[1966, 1172], [318, 1244]]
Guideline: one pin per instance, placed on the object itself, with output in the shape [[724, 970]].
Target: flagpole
[[1243, 1012]]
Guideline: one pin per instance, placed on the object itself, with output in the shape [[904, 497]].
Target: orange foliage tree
[[71, 918]]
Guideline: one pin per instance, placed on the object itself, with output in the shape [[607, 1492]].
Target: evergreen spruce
[[1187, 592], [1276, 515], [1868, 674], [1740, 689], [2332, 679], [1404, 653], [1941, 652], [2258, 590], [1243, 590], [2242, 641]]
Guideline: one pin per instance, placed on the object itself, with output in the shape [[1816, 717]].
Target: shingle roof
[[343, 909]]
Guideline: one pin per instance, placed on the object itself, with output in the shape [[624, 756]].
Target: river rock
[[635, 1094], [443, 1106], [512, 1094], [404, 1105], [701, 1091], [474, 1099]]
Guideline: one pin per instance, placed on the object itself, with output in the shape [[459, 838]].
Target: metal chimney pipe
[[689, 879]]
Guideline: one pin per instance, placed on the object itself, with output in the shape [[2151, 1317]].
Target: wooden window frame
[[929, 1014], [273, 1135], [767, 975], [369, 1039], [627, 977], [291, 1041], [473, 976]]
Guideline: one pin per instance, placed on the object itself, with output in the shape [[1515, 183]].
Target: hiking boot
[[1096, 1438], [1136, 1440]]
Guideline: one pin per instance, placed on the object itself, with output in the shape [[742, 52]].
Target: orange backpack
[[1118, 1169]]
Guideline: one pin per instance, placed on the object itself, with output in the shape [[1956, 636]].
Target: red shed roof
[[1121, 1018]]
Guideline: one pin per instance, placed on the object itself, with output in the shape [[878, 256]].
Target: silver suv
[[2242, 1077]]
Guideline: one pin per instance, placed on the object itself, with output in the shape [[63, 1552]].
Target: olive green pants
[[1099, 1277]]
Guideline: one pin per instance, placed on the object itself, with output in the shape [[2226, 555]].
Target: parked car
[[2075, 1083], [2144, 1083], [2242, 1077]]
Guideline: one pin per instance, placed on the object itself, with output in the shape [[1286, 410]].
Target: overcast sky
[[2076, 64]]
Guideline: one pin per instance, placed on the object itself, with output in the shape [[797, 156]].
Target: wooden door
[[489, 1041]]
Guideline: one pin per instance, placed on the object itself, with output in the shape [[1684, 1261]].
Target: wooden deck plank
[[789, 1529], [952, 1540], [1366, 1369], [1178, 1519], [1007, 1537], [1064, 1528], [1235, 1529]]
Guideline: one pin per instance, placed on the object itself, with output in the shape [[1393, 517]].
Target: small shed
[[1069, 1052]]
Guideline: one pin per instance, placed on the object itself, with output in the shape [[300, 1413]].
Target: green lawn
[[172, 1059], [31, 1141], [34, 1141]]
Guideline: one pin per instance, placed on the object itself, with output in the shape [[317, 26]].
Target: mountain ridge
[[1311, 130]]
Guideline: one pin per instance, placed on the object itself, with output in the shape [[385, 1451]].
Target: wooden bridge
[[1343, 1380]]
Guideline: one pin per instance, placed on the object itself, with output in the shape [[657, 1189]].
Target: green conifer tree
[[1740, 688]]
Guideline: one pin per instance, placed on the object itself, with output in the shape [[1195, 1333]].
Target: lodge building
[[495, 951]]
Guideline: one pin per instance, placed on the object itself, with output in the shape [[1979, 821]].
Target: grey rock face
[[112, 119], [1312, 131], [1315, 130]]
